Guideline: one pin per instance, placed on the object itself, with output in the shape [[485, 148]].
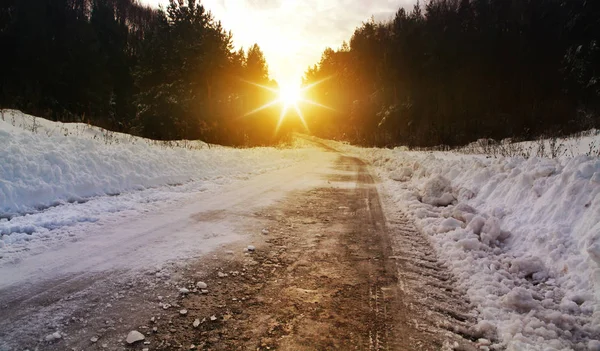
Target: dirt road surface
[[333, 268]]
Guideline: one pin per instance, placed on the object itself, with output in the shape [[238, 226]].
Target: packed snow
[[522, 236], [58, 179]]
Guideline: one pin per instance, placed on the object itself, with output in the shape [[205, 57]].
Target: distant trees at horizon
[[448, 72], [453, 71], [160, 73]]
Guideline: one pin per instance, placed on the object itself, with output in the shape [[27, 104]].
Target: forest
[[447, 72], [450, 72], [159, 73]]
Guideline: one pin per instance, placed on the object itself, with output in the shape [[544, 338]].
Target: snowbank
[[44, 164], [583, 143], [521, 235]]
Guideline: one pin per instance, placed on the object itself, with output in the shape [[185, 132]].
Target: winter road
[[334, 268]]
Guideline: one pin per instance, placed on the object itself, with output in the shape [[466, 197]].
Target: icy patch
[[449, 224], [437, 191], [519, 299], [401, 175]]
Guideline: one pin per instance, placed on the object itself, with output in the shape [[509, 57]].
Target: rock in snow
[[134, 336], [54, 336]]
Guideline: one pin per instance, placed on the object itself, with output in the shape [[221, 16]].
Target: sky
[[293, 33]]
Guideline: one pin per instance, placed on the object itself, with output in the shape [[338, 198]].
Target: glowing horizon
[[292, 33], [290, 97]]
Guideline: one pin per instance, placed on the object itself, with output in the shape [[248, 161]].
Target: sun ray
[[261, 108], [301, 116], [281, 118], [311, 102], [289, 97], [310, 86], [261, 86]]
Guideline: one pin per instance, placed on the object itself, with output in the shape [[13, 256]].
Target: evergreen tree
[[453, 71]]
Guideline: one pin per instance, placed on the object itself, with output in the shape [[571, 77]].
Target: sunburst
[[290, 97]]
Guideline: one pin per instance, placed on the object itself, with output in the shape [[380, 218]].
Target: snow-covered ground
[[521, 235], [61, 181], [584, 143]]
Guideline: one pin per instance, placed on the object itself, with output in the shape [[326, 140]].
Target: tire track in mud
[[428, 289], [334, 274]]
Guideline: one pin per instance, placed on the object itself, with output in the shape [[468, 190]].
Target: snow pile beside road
[[45, 164], [40, 167], [584, 143], [16, 121], [521, 235]]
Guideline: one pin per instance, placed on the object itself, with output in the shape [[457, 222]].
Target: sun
[[290, 96]]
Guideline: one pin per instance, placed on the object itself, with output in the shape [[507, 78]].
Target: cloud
[[262, 5], [294, 33]]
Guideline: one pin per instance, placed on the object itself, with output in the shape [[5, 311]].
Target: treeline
[[453, 71], [164, 74]]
